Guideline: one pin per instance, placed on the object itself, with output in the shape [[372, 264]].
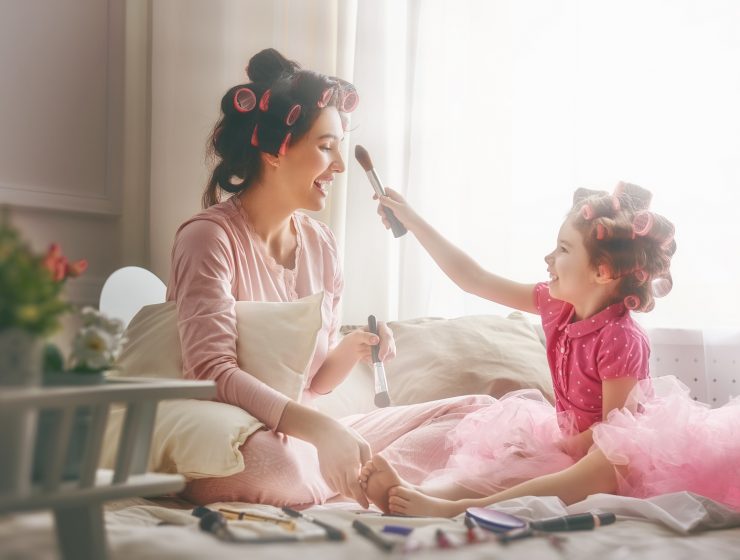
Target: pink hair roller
[[265, 101], [350, 100], [255, 142], [641, 276], [284, 145], [632, 302], [642, 223], [587, 212], [662, 286], [244, 100], [293, 114], [325, 97], [600, 232]]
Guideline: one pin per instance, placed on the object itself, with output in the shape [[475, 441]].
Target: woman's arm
[[341, 451], [455, 263]]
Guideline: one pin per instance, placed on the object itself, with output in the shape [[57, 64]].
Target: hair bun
[[268, 65]]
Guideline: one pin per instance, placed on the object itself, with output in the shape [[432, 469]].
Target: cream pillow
[[276, 343], [440, 358]]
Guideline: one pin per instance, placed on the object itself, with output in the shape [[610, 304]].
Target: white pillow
[[276, 343], [440, 358]]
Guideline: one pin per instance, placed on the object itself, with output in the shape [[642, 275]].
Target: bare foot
[[409, 501], [377, 477]]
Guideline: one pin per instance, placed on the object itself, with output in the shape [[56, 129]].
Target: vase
[[20, 366], [20, 358]]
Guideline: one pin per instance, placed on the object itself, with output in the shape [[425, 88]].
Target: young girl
[[612, 256]]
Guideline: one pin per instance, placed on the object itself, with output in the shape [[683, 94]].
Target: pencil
[[288, 524]]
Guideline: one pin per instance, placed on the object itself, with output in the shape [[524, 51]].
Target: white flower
[[93, 349]]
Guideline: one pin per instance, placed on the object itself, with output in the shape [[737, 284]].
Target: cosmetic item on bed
[[382, 399], [287, 524], [496, 521], [362, 155], [397, 530], [332, 533], [474, 532], [442, 539], [367, 532], [576, 522], [215, 522]]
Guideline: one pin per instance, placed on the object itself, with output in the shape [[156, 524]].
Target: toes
[[397, 505], [402, 493]]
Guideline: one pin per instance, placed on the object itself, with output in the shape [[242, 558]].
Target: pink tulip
[[76, 268]]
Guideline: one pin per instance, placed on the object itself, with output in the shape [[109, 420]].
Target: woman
[[278, 148]]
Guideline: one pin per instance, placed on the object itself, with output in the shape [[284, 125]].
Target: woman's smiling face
[[308, 167]]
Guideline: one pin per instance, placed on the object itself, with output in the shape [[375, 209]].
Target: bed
[[439, 358]]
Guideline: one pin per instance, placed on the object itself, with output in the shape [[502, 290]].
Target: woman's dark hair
[[277, 107], [633, 243]]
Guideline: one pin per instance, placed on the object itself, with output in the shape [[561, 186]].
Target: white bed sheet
[[667, 527]]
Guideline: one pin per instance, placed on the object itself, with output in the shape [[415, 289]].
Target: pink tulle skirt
[[672, 444], [516, 438]]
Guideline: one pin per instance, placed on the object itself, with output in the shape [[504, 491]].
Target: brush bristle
[[363, 157], [382, 399]]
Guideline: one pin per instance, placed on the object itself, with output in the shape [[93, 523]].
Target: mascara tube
[[577, 522]]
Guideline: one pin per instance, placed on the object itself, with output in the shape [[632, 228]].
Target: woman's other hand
[[359, 343], [342, 452]]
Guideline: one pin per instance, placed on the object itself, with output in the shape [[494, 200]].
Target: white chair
[[78, 503], [129, 289]]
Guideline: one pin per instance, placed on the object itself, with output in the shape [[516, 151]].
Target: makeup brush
[[363, 157], [382, 399]]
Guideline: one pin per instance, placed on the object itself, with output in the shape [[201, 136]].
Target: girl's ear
[[603, 274]]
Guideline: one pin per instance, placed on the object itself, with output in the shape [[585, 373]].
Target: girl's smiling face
[[572, 277]]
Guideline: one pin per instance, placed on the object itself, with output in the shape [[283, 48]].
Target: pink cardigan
[[217, 259]]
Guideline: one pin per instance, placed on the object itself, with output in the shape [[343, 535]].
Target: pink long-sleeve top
[[218, 259]]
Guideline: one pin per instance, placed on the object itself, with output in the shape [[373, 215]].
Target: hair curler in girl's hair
[[641, 275], [654, 226], [632, 302], [587, 212], [639, 198], [662, 285], [602, 232]]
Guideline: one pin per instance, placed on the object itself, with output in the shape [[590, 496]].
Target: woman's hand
[[394, 201], [358, 344], [342, 452]]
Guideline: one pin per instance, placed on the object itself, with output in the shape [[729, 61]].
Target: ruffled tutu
[[514, 439], [673, 444]]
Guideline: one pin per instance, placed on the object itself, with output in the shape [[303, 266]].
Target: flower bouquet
[[31, 303]]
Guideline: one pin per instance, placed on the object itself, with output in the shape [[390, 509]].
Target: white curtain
[[488, 114]]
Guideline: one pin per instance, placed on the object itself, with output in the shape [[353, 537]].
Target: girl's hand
[[393, 200], [342, 452], [359, 342]]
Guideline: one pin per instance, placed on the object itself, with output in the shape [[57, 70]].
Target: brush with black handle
[[382, 399], [363, 157]]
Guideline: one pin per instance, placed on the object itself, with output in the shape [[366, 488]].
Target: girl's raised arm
[[456, 264]]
